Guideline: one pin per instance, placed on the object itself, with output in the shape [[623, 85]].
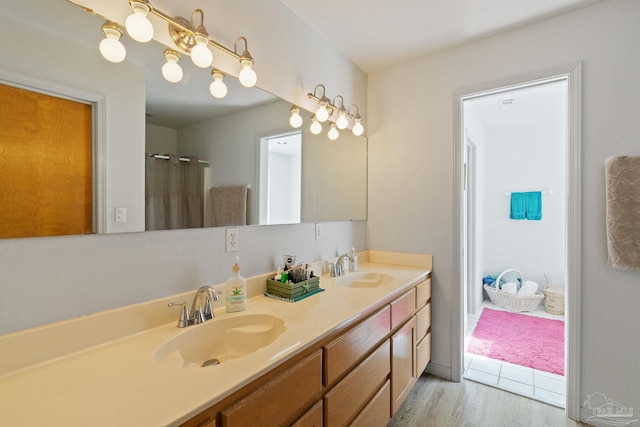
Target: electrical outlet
[[232, 242], [121, 214], [318, 230]]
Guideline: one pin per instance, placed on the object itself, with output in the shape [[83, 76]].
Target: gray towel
[[623, 212], [228, 206]]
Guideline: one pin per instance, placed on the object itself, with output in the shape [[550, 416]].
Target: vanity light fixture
[[247, 75], [342, 122], [171, 71], [333, 133], [322, 113], [357, 126], [138, 25], [190, 36], [200, 53], [315, 127], [111, 47], [217, 88], [326, 109], [295, 120]]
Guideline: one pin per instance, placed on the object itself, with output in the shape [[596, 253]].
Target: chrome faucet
[[201, 307], [339, 266]]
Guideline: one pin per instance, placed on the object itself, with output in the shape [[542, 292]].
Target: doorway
[[516, 142], [280, 183], [473, 195]]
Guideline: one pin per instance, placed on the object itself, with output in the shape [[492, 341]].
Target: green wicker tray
[[292, 290], [296, 299]]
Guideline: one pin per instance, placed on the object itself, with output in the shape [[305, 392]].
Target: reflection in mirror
[[61, 47], [280, 178], [332, 179]]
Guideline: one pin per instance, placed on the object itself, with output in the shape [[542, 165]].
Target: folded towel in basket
[[528, 289], [510, 287]]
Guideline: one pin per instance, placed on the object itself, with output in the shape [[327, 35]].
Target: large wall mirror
[[231, 136]]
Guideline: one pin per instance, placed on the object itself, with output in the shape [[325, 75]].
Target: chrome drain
[[210, 362]]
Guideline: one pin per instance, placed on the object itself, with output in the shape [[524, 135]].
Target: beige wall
[[411, 158]]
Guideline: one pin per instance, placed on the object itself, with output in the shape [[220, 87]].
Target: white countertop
[[119, 383]]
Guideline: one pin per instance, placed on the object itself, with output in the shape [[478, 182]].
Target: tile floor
[[539, 385]]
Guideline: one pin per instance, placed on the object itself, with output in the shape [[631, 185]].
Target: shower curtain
[[173, 197]]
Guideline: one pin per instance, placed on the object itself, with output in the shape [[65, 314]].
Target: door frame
[[573, 74]]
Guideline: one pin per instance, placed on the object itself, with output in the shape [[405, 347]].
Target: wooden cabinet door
[[46, 178], [402, 363]]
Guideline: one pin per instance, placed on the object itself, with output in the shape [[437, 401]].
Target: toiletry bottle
[[236, 290], [353, 261]]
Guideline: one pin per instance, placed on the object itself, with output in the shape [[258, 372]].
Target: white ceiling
[[377, 33]]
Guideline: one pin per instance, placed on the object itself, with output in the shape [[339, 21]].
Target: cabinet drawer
[[270, 404], [402, 308], [354, 392], [423, 354], [423, 292], [312, 418], [344, 352], [423, 321], [378, 412]]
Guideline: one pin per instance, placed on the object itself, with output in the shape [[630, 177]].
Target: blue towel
[[533, 205], [518, 206]]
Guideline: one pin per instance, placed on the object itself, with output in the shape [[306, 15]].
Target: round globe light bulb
[[333, 133], [315, 127], [218, 88], [200, 54], [112, 49], [342, 121], [172, 72], [322, 114], [295, 120], [357, 129], [247, 76], [138, 26]]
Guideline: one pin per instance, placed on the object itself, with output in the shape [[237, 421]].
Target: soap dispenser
[[236, 290], [353, 260]]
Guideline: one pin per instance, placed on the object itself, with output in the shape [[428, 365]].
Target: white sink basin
[[363, 279], [219, 340]]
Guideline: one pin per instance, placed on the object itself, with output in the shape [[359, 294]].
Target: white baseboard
[[440, 371]]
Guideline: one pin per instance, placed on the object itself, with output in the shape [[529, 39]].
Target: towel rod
[[182, 159], [508, 193]]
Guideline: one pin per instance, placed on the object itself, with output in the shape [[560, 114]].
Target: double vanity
[[346, 356]]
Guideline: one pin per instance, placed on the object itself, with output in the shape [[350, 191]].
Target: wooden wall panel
[[45, 165]]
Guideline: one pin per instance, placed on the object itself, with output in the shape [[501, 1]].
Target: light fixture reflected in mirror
[[171, 71], [111, 48], [315, 127], [138, 25], [295, 120], [327, 108], [217, 88], [333, 133]]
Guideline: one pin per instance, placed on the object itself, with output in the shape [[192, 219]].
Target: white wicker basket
[[512, 302]]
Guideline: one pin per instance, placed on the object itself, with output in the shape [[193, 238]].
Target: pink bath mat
[[525, 340]]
